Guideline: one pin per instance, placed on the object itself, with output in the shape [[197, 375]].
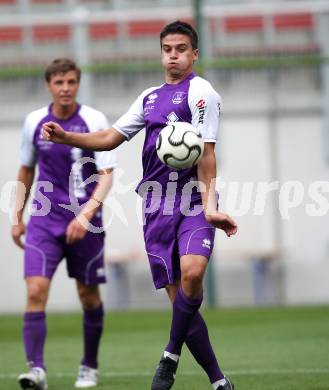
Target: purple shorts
[[168, 237], [44, 250]]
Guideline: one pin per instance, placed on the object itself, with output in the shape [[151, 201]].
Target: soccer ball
[[179, 145]]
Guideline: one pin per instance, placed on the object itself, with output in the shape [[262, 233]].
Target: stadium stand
[[138, 38]]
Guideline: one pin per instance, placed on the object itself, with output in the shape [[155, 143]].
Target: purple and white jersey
[[192, 100], [65, 172]]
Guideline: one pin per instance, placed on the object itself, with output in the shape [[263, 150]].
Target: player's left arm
[[207, 176], [78, 227], [205, 105]]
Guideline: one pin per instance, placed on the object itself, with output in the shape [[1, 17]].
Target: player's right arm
[[98, 141], [24, 183], [25, 177], [125, 128]]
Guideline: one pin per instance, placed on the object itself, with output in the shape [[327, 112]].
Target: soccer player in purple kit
[[178, 244], [55, 230]]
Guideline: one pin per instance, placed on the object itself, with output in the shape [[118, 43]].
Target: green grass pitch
[[261, 349]]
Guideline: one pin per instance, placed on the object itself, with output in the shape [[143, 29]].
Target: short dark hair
[[179, 27], [61, 65]]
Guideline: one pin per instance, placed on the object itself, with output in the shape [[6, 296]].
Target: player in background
[[55, 231], [178, 246]]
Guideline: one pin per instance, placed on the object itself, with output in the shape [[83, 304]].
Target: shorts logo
[[178, 97], [172, 117], [100, 272], [206, 243], [201, 104]]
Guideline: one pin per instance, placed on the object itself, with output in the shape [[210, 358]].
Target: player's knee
[[37, 294], [89, 298], [192, 276]]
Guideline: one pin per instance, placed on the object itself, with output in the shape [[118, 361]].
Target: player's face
[[178, 56], [64, 88]]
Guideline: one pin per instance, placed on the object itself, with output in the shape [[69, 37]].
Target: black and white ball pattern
[[179, 145]]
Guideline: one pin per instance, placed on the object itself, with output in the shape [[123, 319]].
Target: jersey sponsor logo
[[179, 97], [206, 243], [151, 98], [147, 110], [78, 129], [42, 143], [201, 105], [172, 117]]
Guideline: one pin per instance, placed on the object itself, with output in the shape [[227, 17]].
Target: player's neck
[[174, 78], [63, 112]]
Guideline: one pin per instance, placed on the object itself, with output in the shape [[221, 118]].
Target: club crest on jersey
[[172, 117], [178, 97], [201, 105]]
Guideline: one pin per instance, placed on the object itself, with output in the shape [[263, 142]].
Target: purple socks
[[188, 326], [92, 332], [34, 337], [35, 332], [184, 309], [197, 341]]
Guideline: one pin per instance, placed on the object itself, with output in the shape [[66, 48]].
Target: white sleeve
[[28, 155], [96, 121], [205, 105], [105, 159], [130, 123]]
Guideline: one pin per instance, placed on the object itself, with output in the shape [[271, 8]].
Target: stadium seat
[[10, 34], [243, 23], [103, 30], [47, 33], [46, 1], [143, 28], [290, 21]]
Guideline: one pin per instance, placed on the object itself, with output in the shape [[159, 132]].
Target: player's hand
[[75, 231], [224, 222], [53, 132], [16, 232]]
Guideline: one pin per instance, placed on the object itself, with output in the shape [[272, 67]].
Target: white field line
[[293, 371]]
